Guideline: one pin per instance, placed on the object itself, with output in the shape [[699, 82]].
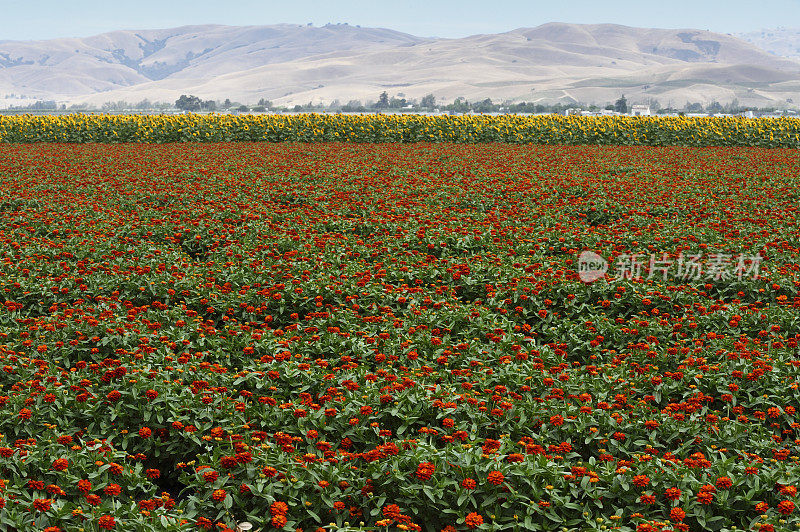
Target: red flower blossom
[[106, 522], [278, 508], [677, 514], [724, 482], [42, 505], [495, 477], [425, 470], [473, 520]]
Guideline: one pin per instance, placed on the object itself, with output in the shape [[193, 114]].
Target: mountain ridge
[[291, 64]]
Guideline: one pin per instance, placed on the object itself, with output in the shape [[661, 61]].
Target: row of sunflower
[[543, 129]]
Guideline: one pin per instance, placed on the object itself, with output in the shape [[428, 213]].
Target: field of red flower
[[397, 336]]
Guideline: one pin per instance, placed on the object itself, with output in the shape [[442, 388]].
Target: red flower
[[55, 490], [672, 494], [42, 505], [153, 473], [84, 486], [151, 394], [724, 482], [786, 507], [114, 396], [210, 476], [93, 499], [218, 494], [473, 520], [677, 514], [228, 462], [25, 414], [60, 464], [145, 432], [279, 521], [646, 498], [112, 489], [278, 508], [705, 497], [641, 481], [495, 477], [106, 522], [469, 484], [425, 470]]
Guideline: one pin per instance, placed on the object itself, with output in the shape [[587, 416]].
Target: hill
[[292, 64]]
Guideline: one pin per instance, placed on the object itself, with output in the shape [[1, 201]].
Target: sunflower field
[[516, 129]]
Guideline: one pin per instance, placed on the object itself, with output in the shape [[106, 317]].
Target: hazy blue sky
[[42, 19]]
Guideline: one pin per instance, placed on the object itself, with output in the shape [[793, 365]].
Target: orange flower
[[425, 470], [473, 520], [278, 508], [42, 505], [495, 477], [106, 522]]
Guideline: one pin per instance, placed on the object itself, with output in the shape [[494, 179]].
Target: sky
[[46, 19]]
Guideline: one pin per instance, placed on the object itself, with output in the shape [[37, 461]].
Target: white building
[[640, 110]]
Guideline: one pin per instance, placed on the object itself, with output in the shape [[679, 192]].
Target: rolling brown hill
[[291, 64]]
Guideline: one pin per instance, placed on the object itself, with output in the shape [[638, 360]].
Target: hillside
[[291, 64], [784, 42]]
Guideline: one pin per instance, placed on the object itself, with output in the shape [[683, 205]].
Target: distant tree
[[428, 101], [210, 105], [188, 103], [609, 107], [695, 107], [243, 108], [227, 104], [459, 105], [353, 106], [715, 107], [486, 106], [397, 103], [265, 103], [383, 101], [259, 108], [621, 105]]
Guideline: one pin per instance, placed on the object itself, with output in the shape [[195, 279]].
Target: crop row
[[545, 129]]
